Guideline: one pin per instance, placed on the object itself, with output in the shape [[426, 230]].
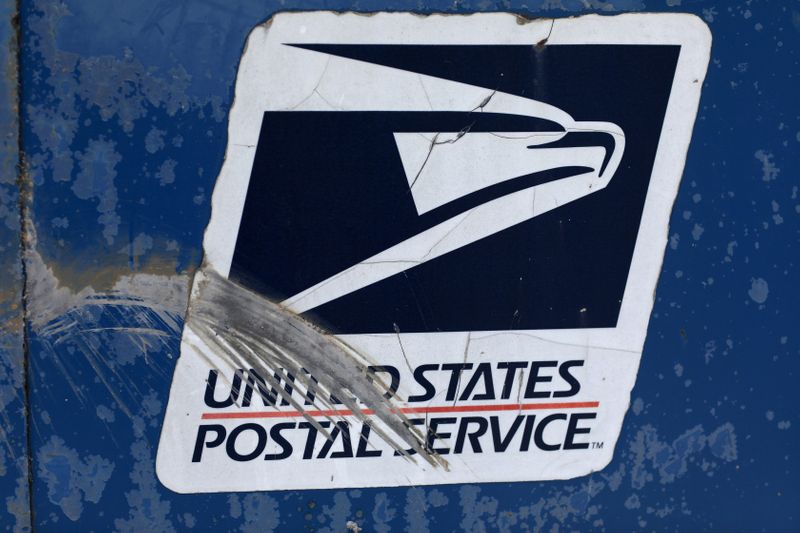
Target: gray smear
[[253, 332]]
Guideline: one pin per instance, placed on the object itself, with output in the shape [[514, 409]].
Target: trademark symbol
[[597, 445]]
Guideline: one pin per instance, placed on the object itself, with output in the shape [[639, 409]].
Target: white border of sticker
[[251, 100]]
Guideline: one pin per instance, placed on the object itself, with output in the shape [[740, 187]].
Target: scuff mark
[[252, 332], [85, 319], [49, 300]]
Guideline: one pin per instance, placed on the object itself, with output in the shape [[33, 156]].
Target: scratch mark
[[252, 331]]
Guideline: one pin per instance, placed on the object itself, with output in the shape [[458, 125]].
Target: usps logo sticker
[[433, 248]]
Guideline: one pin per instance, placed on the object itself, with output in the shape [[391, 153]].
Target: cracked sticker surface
[[432, 253]]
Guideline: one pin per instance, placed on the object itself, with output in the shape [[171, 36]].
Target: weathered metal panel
[[124, 124], [14, 467]]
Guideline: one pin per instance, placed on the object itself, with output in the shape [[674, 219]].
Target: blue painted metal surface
[[124, 129], [14, 495]]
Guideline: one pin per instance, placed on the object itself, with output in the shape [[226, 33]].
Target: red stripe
[[405, 410]]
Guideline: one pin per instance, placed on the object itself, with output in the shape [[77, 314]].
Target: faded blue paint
[[124, 107]]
